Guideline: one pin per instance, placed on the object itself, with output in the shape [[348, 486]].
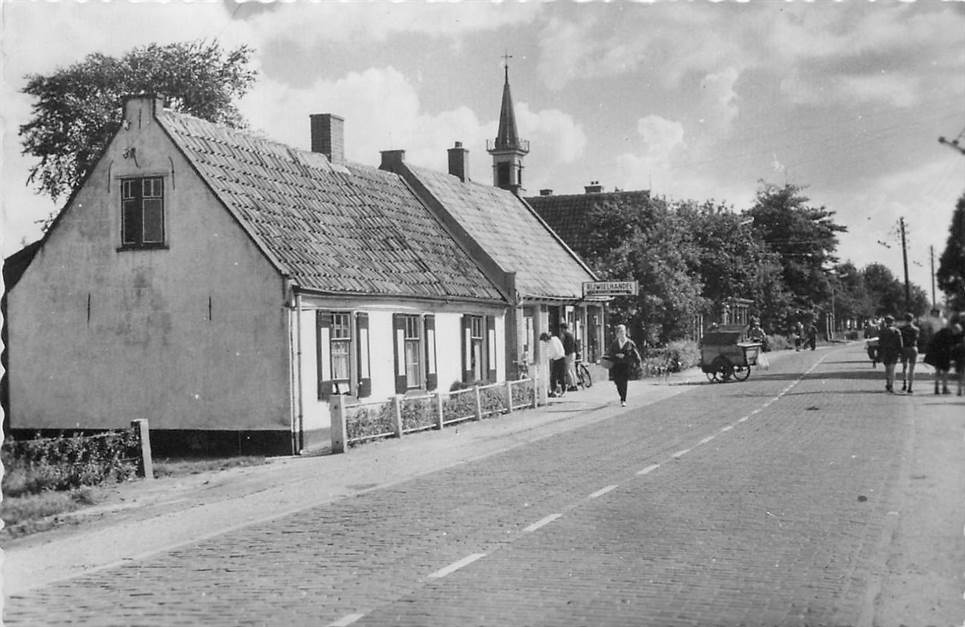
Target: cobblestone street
[[804, 496]]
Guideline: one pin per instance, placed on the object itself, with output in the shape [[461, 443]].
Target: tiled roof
[[570, 215], [512, 235], [350, 230]]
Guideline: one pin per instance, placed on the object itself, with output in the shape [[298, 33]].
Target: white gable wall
[[192, 336]]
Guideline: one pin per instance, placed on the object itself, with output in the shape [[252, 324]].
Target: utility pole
[[904, 256], [934, 303]]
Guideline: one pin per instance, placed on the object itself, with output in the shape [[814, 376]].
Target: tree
[[731, 262], [951, 267], [804, 237], [78, 107], [646, 244]]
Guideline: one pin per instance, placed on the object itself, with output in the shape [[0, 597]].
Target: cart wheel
[[711, 376], [741, 373], [723, 369]]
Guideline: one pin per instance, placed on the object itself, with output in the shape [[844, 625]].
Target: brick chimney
[[391, 158], [593, 188], [459, 162], [328, 137]]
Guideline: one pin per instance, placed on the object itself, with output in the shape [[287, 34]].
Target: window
[[478, 348], [342, 361], [415, 352], [476, 340], [142, 212], [341, 343]]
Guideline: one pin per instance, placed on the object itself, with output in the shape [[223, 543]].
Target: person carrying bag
[[625, 360]]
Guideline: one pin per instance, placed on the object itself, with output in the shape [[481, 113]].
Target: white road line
[[707, 439], [680, 454], [603, 491], [345, 621], [451, 568], [744, 419], [542, 522], [727, 428], [648, 469]]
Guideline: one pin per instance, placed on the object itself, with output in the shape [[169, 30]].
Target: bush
[[674, 357], [68, 462], [779, 342]]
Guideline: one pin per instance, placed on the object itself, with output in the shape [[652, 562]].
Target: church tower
[[508, 150]]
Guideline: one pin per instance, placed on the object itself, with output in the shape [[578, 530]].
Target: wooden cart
[[723, 356]]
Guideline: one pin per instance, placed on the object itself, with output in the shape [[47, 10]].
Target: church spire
[[506, 136], [507, 149]]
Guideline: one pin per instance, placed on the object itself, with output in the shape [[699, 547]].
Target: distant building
[[571, 215]]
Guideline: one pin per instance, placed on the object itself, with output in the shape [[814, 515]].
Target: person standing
[[623, 353], [958, 355], [569, 350], [812, 335], [939, 355], [889, 350], [553, 348], [909, 353]]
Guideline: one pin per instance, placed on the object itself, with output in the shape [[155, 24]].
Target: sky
[[693, 101]]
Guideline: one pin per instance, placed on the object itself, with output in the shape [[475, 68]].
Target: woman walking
[[623, 353]]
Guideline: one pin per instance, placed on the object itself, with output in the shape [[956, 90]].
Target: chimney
[[546, 192], [593, 188], [391, 158], [328, 137], [459, 162]]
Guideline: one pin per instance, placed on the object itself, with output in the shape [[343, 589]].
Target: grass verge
[[26, 513]]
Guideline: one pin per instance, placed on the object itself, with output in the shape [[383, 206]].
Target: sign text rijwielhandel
[[609, 288]]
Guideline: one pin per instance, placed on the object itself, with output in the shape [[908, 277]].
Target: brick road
[[770, 502]]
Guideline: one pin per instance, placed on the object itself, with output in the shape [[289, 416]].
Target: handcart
[[723, 356]]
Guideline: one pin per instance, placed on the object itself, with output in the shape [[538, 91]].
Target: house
[[540, 273], [572, 215], [223, 286]]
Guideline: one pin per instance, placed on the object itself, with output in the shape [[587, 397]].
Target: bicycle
[[583, 378]]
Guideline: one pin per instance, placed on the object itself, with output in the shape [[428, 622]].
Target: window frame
[[139, 191]]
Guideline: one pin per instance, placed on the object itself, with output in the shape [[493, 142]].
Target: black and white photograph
[[483, 314]]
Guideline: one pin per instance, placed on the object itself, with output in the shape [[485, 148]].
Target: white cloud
[[718, 105], [382, 111], [313, 23], [554, 131], [924, 194], [660, 136]]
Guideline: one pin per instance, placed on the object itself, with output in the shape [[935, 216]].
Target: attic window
[[142, 212]]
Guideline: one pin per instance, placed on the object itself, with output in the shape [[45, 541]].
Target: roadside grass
[[174, 466], [32, 513], [24, 512]]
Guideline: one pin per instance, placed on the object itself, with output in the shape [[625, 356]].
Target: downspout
[[299, 440], [289, 300]]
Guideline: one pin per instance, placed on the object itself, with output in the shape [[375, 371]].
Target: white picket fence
[[355, 422]]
